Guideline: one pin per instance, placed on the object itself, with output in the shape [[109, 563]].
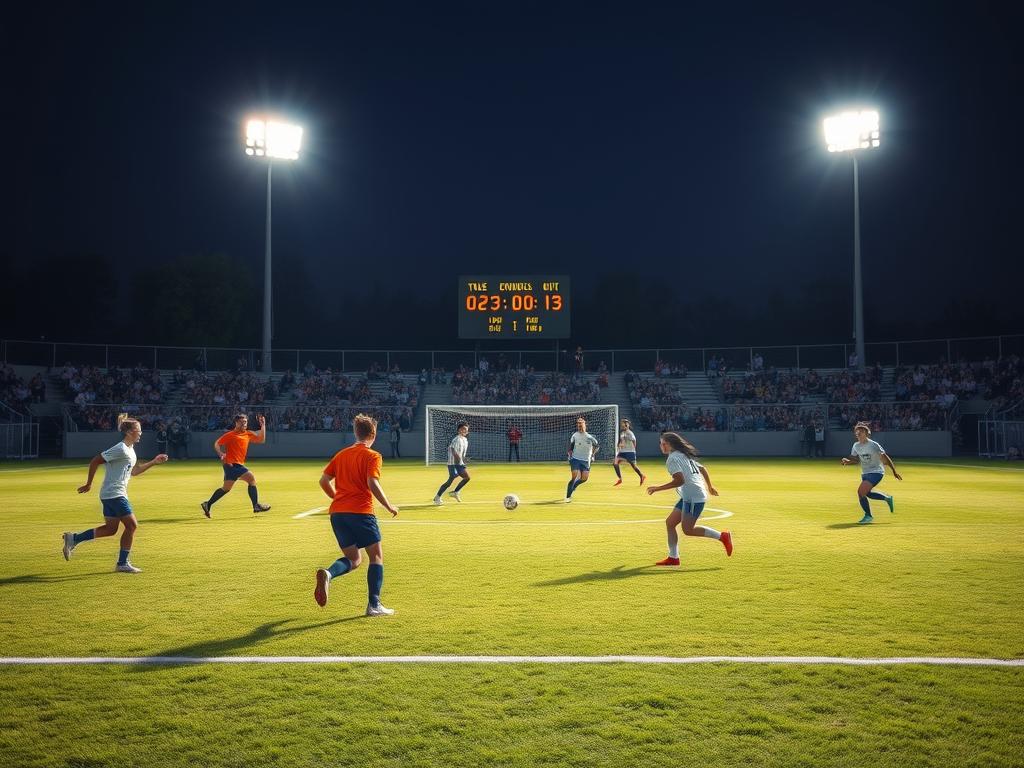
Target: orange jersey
[[350, 468], [236, 445]]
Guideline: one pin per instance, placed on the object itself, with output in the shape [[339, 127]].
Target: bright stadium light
[[852, 132], [273, 140]]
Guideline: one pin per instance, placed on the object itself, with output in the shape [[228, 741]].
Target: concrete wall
[[325, 444]]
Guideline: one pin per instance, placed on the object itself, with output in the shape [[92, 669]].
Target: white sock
[[673, 550], [711, 533]]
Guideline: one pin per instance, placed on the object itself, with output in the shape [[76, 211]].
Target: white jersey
[[120, 460], [870, 455], [693, 488], [627, 441], [459, 445], [582, 444]]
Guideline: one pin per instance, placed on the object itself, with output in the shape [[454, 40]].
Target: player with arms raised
[[582, 450], [872, 458], [693, 484], [232, 448]]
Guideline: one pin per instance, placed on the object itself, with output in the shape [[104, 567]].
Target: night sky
[[652, 152]]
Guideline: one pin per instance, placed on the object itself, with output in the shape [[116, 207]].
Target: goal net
[[546, 430]]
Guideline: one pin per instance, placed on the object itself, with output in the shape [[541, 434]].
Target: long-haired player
[[626, 451], [872, 459], [693, 484]]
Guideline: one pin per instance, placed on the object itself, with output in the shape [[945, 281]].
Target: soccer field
[[942, 578]]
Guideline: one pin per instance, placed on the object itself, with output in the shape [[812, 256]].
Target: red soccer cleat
[[668, 561], [323, 579], [727, 542], [617, 482]]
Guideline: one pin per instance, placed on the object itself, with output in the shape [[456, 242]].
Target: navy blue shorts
[[873, 477], [690, 508], [455, 469], [579, 465], [629, 456], [116, 507], [354, 529], [234, 471]]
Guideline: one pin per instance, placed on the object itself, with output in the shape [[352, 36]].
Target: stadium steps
[[617, 392], [696, 389], [436, 394]]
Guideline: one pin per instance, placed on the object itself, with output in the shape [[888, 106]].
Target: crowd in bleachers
[[776, 385], [17, 393], [89, 384], [223, 389], [892, 417], [520, 386]]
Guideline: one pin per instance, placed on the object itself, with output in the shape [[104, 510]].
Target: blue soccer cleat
[[892, 503], [866, 520]]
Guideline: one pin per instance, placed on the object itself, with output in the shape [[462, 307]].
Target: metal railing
[[912, 352], [19, 434]]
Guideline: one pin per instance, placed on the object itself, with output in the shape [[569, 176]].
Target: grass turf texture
[[941, 577]]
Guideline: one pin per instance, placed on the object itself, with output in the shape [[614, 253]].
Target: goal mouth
[[544, 431]]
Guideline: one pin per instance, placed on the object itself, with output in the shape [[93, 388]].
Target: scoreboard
[[514, 307]]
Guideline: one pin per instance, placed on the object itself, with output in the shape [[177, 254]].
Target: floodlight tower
[[852, 132], [272, 140]]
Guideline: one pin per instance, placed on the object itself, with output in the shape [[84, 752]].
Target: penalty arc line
[[665, 660]]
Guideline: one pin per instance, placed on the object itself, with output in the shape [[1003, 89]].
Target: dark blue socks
[[374, 582], [340, 567], [85, 536]]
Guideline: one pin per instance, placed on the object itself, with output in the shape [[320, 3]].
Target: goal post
[[546, 430]]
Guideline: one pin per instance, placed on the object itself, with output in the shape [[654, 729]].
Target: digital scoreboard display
[[514, 307]]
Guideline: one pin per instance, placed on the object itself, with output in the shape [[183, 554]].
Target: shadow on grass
[[547, 503], [844, 526], [620, 572], [168, 520], [36, 578], [268, 631]]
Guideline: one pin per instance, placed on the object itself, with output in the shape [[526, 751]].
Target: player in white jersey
[[626, 451], [121, 466], [693, 484], [457, 450], [872, 459], [582, 450]]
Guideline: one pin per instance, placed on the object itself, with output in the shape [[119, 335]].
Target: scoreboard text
[[503, 307]]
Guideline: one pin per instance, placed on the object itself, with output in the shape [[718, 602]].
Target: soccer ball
[[511, 501]]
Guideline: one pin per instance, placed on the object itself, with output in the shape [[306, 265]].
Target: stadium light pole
[[272, 140], [852, 132]]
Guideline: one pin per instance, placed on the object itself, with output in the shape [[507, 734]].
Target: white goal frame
[[488, 426]]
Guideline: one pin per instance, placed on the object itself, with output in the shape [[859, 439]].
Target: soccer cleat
[[617, 482], [126, 568], [643, 479], [378, 610], [206, 508], [668, 561], [438, 501], [866, 520], [568, 499], [455, 495], [892, 503], [69, 544], [323, 580], [727, 542], [261, 508]]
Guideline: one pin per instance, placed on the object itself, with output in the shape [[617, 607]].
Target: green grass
[[944, 576]]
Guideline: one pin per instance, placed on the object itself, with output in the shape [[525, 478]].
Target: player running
[[693, 485], [457, 449], [121, 466], [232, 448], [872, 458], [352, 479], [582, 450], [626, 451]]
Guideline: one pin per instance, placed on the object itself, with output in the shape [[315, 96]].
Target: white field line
[[722, 513], [961, 466], [837, 660]]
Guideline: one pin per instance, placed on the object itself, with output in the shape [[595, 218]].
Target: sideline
[[185, 660]]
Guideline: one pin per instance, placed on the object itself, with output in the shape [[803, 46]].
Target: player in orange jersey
[[232, 448], [351, 480]]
